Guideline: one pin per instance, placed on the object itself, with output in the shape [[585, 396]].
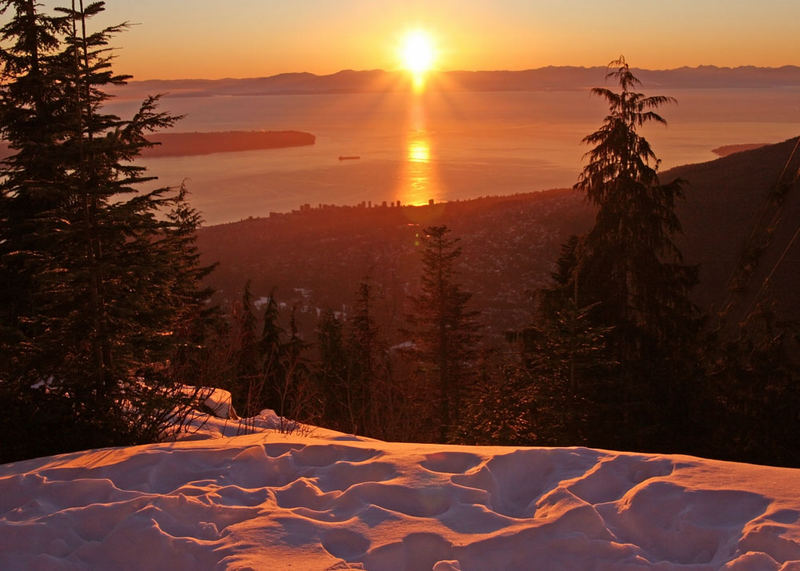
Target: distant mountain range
[[545, 78]]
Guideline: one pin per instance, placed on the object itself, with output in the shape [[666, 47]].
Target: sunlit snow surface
[[329, 501]]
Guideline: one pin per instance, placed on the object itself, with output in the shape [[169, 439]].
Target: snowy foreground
[[325, 500]]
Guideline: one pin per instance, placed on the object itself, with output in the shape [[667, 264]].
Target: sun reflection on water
[[418, 182], [419, 151]]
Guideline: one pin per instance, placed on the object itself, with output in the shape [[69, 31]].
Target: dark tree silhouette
[[629, 272], [247, 389], [332, 375], [108, 274], [445, 330]]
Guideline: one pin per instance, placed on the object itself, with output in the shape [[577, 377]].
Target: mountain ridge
[[543, 78]]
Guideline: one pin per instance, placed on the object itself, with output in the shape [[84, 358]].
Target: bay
[[443, 146]]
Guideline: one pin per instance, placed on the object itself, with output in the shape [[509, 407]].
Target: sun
[[417, 52]]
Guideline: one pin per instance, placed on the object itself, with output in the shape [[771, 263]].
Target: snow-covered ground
[[324, 500]]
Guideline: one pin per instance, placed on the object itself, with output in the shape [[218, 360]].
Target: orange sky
[[250, 38]]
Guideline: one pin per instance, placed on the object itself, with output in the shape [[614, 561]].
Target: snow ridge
[[332, 501]]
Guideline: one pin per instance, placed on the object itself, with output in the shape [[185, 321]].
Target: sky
[[253, 38]]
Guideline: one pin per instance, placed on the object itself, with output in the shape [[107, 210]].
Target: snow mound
[[324, 500]]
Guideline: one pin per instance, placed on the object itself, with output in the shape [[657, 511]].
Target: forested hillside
[[510, 243], [317, 256]]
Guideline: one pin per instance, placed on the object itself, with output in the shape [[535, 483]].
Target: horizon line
[[448, 71]]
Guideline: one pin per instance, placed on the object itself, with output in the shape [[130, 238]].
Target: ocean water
[[440, 146]]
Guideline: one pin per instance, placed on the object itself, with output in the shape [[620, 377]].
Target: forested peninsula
[[196, 143], [187, 144]]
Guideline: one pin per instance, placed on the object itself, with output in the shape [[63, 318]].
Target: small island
[[197, 143]]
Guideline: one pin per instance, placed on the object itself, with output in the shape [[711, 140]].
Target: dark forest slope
[[316, 257], [726, 200], [509, 244]]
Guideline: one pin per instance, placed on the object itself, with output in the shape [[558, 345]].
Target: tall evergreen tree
[[354, 373], [263, 361], [31, 106], [368, 371], [332, 374], [546, 391], [445, 330], [246, 391], [273, 354], [297, 398], [629, 271], [109, 274], [631, 242]]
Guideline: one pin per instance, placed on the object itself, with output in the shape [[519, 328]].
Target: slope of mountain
[[740, 220], [510, 243]]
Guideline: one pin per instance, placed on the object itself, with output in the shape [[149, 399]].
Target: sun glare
[[417, 52], [419, 151]]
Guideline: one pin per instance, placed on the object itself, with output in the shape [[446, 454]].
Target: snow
[[318, 499]]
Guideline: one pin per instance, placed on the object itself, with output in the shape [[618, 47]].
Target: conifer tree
[[110, 273], [501, 410], [265, 360], [31, 107], [445, 330], [32, 103], [368, 375], [752, 390], [632, 239], [629, 271], [353, 373], [297, 398], [563, 356], [272, 353], [332, 375], [246, 391]]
